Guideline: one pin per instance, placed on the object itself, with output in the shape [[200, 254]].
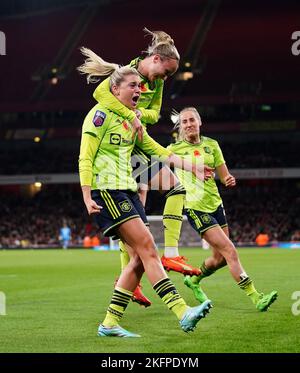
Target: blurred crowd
[[27, 222], [253, 209], [250, 209]]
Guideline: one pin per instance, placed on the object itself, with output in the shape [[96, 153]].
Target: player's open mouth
[[135, 99]]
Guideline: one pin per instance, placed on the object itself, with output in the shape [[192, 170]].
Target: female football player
[[205, 211], [110, 192]]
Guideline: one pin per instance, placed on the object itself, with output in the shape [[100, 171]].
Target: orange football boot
[[178, 264], [138, 296]]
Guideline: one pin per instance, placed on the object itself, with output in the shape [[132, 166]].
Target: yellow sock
[[172, 217], [247, 285], [117, 307], [170, 296], [179, 309], [123, 255]]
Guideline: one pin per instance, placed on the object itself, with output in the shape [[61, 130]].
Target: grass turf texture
[[55, 300]]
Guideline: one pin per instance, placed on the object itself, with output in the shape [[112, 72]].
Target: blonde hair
[[94, 66], [176, 117], [161, 44]]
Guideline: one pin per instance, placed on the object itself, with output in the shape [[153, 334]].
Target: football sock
[[247, 285], [123, 255], [170, 296], [171, 252], [205, 272], [172, 219], [117, 307]]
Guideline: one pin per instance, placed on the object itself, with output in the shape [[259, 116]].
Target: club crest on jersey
[[207, 149], [99, 118]]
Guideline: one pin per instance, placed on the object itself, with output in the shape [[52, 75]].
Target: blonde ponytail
[[95, 66], [159, 36], [161, 44]]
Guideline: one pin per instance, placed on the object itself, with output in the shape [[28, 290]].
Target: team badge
[[99, 118], [207, 149], [115, 139], [125, 206], [205, 218]]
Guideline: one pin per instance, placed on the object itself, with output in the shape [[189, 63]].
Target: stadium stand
[[254, 204]]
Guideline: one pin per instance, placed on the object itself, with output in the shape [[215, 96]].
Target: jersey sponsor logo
[[205, 218], [207, 149], [115, 139], [125, 141], [125, 206], [99, 118], [196, 153]]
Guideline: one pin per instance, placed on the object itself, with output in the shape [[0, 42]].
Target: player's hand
[[92, 207], [229, 181], [137, 128], [138, 114]]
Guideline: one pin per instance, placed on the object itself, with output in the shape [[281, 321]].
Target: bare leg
[[216, 260], [222, 245], [135, 234], [132, 273], [145, 257]]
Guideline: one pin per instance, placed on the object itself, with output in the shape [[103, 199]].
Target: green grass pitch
[[55, 300]]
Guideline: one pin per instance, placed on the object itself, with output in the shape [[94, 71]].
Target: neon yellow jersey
[[105, 151], [149, 103], [202, 196]]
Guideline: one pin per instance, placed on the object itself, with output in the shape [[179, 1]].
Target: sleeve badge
[[99, 118]]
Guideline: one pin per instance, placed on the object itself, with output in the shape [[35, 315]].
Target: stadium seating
[[249, 208]]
